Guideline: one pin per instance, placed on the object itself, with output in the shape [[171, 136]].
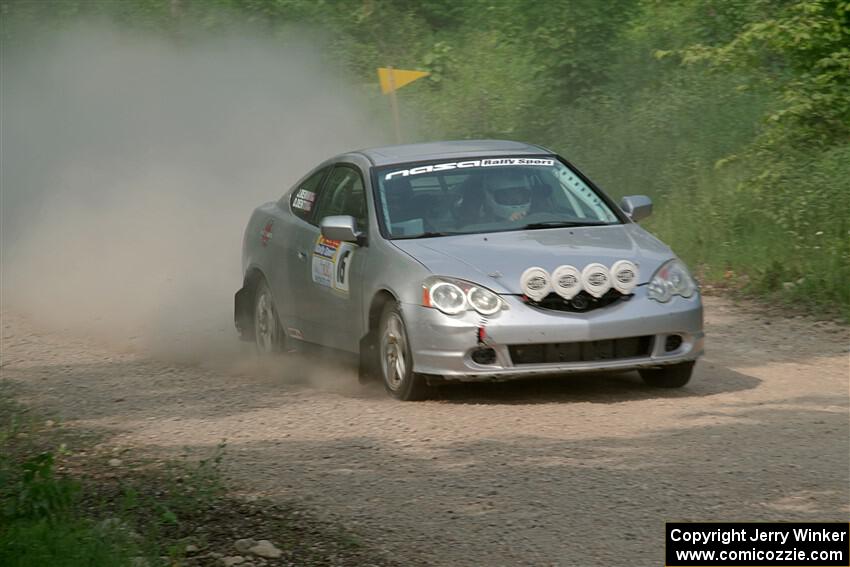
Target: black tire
[[396, 360], [673, 376], [268, 333]]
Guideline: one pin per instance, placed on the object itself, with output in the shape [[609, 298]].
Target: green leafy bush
[[41, 524], [39, 494], [734, 115]]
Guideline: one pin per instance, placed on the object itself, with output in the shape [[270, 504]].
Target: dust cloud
[[131, 163]]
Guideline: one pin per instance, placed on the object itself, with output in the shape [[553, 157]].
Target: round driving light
[[624, 276], [535, 283], [483, 301], [448, 298], [566, 281], [596, 279]]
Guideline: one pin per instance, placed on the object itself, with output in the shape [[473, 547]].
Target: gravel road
[[576, 471]]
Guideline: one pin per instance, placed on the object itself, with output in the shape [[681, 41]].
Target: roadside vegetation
[[734, 115], [69, 499]]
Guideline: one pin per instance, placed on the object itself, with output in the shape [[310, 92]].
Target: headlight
[[447, 297], [483, 300], [671, 279], [453, 296]]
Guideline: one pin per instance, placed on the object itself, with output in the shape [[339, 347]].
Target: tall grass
[[52, 518]]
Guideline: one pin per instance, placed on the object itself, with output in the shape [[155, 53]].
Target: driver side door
[[334, 295]]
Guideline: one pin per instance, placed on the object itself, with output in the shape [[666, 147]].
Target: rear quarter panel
[[254, 254]]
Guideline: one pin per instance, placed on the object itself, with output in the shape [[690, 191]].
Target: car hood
[[497, 260]]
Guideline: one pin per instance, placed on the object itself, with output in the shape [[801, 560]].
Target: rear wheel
[[396, 359], [268, 337], [673, 376]]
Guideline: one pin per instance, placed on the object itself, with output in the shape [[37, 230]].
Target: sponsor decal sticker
[[342, 264], [491, 162], [304, 200], [331, 265], [325, 247], [266, 233], [323, 255]]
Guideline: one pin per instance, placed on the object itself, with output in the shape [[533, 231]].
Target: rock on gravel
[[265, 548], [243, 545]]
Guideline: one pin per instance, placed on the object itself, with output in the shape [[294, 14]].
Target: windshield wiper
[[426, 235], [562, 224]]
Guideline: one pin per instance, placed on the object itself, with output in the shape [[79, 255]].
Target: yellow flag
[[394, 79]]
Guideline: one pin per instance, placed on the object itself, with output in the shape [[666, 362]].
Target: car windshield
[[486, 195]]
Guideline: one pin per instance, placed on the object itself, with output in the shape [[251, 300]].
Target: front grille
[[581, 303], [588, 351]]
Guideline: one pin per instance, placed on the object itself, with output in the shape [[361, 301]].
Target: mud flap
[[242, 307], [369, 368]]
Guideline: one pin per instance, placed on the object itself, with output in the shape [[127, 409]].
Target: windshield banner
[[489, 162]]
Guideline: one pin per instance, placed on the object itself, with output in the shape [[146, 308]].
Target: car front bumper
[[443, 345]]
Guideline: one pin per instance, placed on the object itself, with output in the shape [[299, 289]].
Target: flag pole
[[394, 106]]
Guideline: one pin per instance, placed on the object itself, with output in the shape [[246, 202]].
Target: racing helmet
[[507, 193]]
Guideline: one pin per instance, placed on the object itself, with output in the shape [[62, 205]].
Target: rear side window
[[303, 199]]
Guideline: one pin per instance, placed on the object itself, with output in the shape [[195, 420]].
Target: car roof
[[388, 155]]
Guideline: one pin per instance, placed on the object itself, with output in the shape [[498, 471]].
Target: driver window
[[343, 194]]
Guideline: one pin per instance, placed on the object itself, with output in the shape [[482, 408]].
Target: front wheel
[[267, 330], [396, 359], [673, 376]]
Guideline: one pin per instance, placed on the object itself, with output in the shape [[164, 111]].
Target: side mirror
[[341, 227], [637, 207]]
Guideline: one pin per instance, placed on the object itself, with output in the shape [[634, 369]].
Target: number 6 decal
[[344, 256]]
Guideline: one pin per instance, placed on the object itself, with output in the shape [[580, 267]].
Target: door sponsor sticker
[[342, 264], [331, 265]]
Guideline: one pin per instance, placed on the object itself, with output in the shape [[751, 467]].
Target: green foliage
[[36, 543], [733, 114], [39, 494], [803, 53], [41, 524], [49, 518], [798, 190]]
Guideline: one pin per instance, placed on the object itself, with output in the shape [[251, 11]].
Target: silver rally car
[[466, 260]]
